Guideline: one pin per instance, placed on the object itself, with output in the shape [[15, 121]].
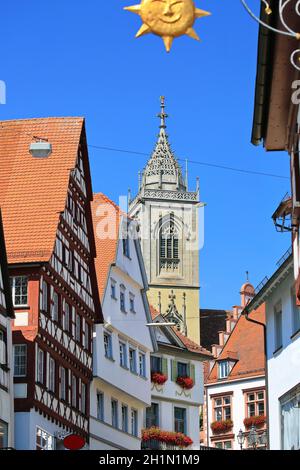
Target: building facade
[[45, 200], [121, 388], [175, 409], [6, 355], [169, 224], [235, 395]]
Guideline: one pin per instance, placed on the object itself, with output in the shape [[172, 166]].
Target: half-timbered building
[[6, 375], [45, 196]]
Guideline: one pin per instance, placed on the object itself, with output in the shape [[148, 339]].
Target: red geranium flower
[[158, 378], [185, 382], [171, 438], [254, 421], [219, 427]]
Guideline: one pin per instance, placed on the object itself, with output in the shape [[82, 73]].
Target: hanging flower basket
[[170, 438], [256, 421], [219, 427], [185, 382], [158, 378]]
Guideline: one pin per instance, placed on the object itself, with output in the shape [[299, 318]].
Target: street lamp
[[253, 437], [241, 438]]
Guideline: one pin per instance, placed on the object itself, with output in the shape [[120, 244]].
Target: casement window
[[131, 303], [62, 383], [152, 415], [52, 375], [132, 360], [40, 365], [108, 351], [124, 412], [100, 405], [44, 440], [142, 364], [66, 256], [55, 306], [83, 398], [126, 246], [87, 330], [113, 289], [122, 298], [134, 422], [222, 408], [66, 317], [19, 288], [123, 354], [278, 326], [114, 413], [255, 403], [78, 327], [180, 420], [224, 369], [225, 445], [20, 360], [183, 369], [45, 296], [156, 364], [3, 348], [74, 391], [3, 434], [289, 420], [295, 313]]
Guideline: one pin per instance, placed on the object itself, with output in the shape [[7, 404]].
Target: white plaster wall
[[25, 429], [238, 404], [6, 398], [284, 366]]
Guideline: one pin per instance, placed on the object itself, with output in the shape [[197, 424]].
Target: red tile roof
[[33, 190], [246, 344], [106, 222], [189, 344]]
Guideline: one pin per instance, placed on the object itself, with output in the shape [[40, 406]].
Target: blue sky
[[63, 57]]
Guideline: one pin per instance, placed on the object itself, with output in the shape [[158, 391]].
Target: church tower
[[168, 217]]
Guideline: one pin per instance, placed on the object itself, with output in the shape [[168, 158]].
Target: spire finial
[[162, 115]]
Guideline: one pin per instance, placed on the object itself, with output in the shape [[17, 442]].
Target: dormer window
[[224, 369]]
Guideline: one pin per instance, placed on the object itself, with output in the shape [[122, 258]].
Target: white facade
[[6, 384], [121, 389], [236, 391]]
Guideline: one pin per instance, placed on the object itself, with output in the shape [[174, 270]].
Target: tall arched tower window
[[169, 245]]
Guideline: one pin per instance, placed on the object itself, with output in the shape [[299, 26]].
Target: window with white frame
[[20, 360], [78, 327], [123, 354], [296, 313], [222, 408], [131, 303], [278, 326], [142, 364], [114, 413], [66, 317], [74, 391], [226, 445], [100, 405], [134, 422], [83, 398], [180, 420], [19, 288], [55, 306], [44, 440], [122, 298], [255, 403], [52, 375], [108, 350], [113, 289], [132, 360], [124, 418], [3, 348], [45, 296], [40, 366], [223, 367], [62, 383]]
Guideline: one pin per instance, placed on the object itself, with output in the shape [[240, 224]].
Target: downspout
[[266, 368]]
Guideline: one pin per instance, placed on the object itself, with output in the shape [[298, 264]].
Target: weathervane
[[287, 31], [168, 19]]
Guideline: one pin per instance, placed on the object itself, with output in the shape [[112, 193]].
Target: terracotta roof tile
[[33, 190]]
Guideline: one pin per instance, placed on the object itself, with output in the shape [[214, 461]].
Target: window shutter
[[164, 366], [174, 370], [192, 372]]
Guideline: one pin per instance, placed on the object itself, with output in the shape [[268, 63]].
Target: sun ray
[[192, 34], [134, 9], [168, 42], [144, 29], [200, 13]]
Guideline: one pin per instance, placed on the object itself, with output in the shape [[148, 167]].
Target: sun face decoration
[[168, 18]]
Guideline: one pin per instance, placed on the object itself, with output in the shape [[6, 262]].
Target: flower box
[[219, 427], [256, 421], [167, 437], [158, 378], [185, 382]]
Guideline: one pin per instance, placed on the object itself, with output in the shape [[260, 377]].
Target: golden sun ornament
[[168, 19]]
